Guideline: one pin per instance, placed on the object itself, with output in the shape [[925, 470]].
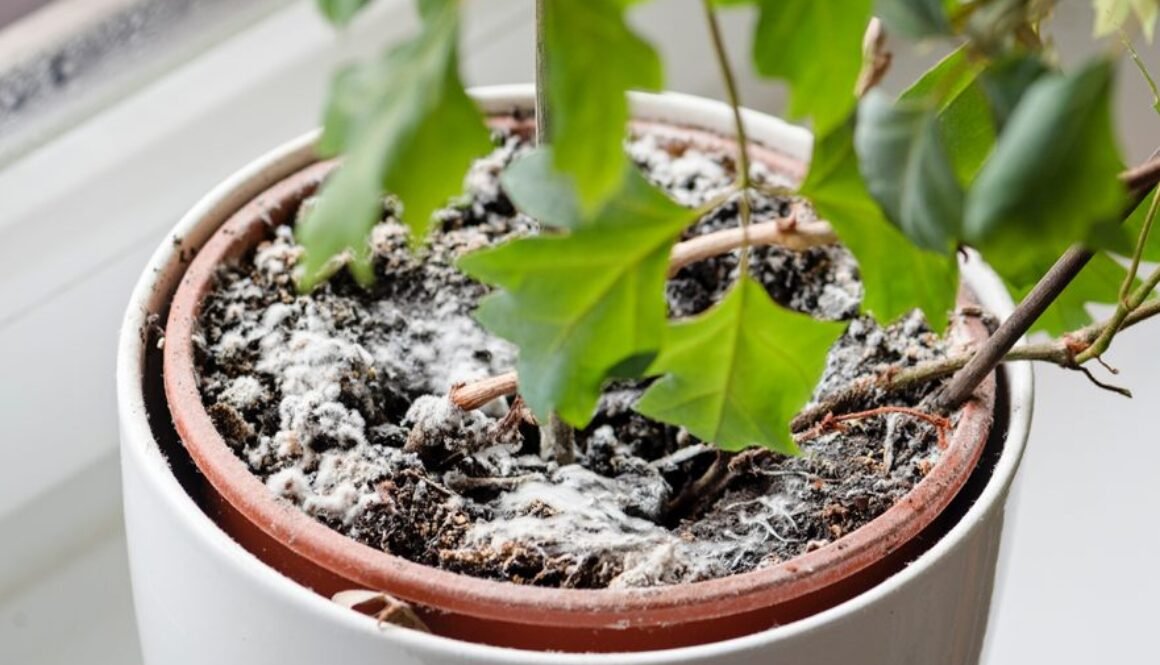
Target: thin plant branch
[[556, 436], [743, 175], [1139, 182], [1061, 352], [1138, 252], [831, 422], [472, 395], [787, 232]]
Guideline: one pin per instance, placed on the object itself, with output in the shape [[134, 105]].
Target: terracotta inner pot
[[507, 614]]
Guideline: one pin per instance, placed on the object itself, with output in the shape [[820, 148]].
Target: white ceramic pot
[[201, 598]]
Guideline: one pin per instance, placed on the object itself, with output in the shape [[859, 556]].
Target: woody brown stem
[[471, 396], [787, 232]]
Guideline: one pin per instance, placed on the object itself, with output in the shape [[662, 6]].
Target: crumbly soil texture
[[337, 400]]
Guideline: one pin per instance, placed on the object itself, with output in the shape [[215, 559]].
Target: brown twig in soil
[[1139, 181], [830, 422], [787, 232], [471, 396], [1060, 352]]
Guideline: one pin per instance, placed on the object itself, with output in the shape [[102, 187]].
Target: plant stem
[[1059, 352], [1056, 351], [473, 395], [1138, 252], [1123, 309], [1143, 70], [556, 436], [1128, 301], [543, 125], [743, 176], [787, 232], [1139, 182]]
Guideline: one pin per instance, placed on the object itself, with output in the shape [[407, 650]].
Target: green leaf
[[897, 275], [1112, 16], [1052, 178], [587, 304], [408, 128], [1007, 80], [1135, 223], [593, 58], [907, 170], [816, 47], [540, 191], [915, 18], [340, 12], [1098, 282], [738, 373], [966, 127]]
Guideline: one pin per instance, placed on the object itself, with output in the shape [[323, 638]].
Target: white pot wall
[[201, 598]]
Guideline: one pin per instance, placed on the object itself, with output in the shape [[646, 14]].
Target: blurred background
[[117, 115]]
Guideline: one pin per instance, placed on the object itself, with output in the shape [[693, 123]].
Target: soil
[[337, 401]]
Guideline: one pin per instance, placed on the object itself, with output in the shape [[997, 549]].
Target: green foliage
[[816, 47], [990, 148], [897, 275], [584, 305], [1007, 80], [340, 12], [907, 169], [966, 127], [1113, 15], [915, 18], [395, 119], [593, 59], [1051, 178], [736, 374], [540, 191]]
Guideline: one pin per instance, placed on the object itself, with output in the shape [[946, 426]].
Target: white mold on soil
[[338, 401]]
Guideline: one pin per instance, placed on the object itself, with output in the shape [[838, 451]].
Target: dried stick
[[473, 395], [787, 232]]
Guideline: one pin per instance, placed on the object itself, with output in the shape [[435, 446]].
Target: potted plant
[[579, 408]]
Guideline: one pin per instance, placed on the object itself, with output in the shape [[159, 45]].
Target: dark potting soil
[[337, 401]]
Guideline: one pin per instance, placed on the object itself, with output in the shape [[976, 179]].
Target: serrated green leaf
[[738, 373], [593, 59], [1052, 177], [540, 191], [816, 47], [406, 127], [906, 168], [340, 12], [587, 304], [966, 126], [1098, 282], [1112, 16], [897, 275], [915, 18]]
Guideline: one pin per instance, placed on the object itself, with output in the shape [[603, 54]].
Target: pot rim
[[292, 156]]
